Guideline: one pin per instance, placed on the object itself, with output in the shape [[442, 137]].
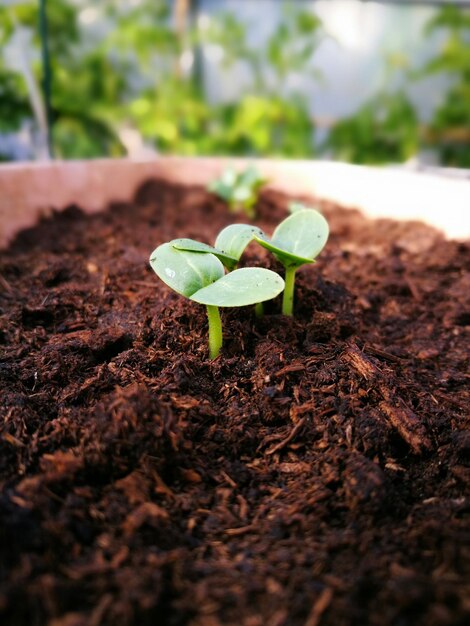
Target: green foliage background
[[133, 76]]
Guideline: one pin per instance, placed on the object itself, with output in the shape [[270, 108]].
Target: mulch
[[316, 474]]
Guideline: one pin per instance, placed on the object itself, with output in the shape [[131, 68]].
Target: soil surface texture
[[315, 474]]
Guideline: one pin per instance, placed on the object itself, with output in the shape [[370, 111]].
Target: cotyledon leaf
[[242, 194], [288, 259], [243, 287], [299, 238], [233, 239], [191, 245], [251, 178], [229, 177], [185, 272], [304, 233], [295, 206], [229, 245], [223, 185]]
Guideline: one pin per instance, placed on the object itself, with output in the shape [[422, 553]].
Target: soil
[[315, 474]]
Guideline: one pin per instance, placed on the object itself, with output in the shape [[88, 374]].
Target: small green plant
[[239, 190], [229, 245], [296, 241], [200, 276]]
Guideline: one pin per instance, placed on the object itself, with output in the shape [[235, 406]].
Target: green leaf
[[251, 178], [241, 194], [229, 177], [229, 245], [225, 184], [294, 207], [243, 287], [220, 189], [190, 245], [185, 272], [288, 259], [298, 239], [233, 239], [240, 191]]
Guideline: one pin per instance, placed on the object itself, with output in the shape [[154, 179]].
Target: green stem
[[288, 299], [215, 331], [259, 310]]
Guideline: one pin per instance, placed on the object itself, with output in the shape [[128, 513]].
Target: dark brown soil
[[315, 474]]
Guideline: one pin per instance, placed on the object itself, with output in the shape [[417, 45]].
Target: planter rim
[[29, 190]]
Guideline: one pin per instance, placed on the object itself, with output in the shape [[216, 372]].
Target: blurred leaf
[[449, 130], [126, 71], [449, 17], [14, 104], [79, 136], [384, 130], [62, 22], [227, 32]]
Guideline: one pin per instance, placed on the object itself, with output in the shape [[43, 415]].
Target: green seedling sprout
[[296, 241], [229, 247], [200, 277], [239, 191]]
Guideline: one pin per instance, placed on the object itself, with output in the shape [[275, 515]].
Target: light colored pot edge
[[29, 190]]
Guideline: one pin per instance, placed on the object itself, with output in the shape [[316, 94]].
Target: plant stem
[[288, 299], [259, 310], [215, 331]]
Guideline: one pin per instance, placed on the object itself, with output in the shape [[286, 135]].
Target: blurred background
[[359, 81]]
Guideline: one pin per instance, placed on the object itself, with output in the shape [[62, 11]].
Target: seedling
[[229, 245], [240, 191], [296, 241], [200, 276]]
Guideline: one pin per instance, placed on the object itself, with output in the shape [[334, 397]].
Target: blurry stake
[[36, 99], [189, 62], [181, 9], [46, 71]]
